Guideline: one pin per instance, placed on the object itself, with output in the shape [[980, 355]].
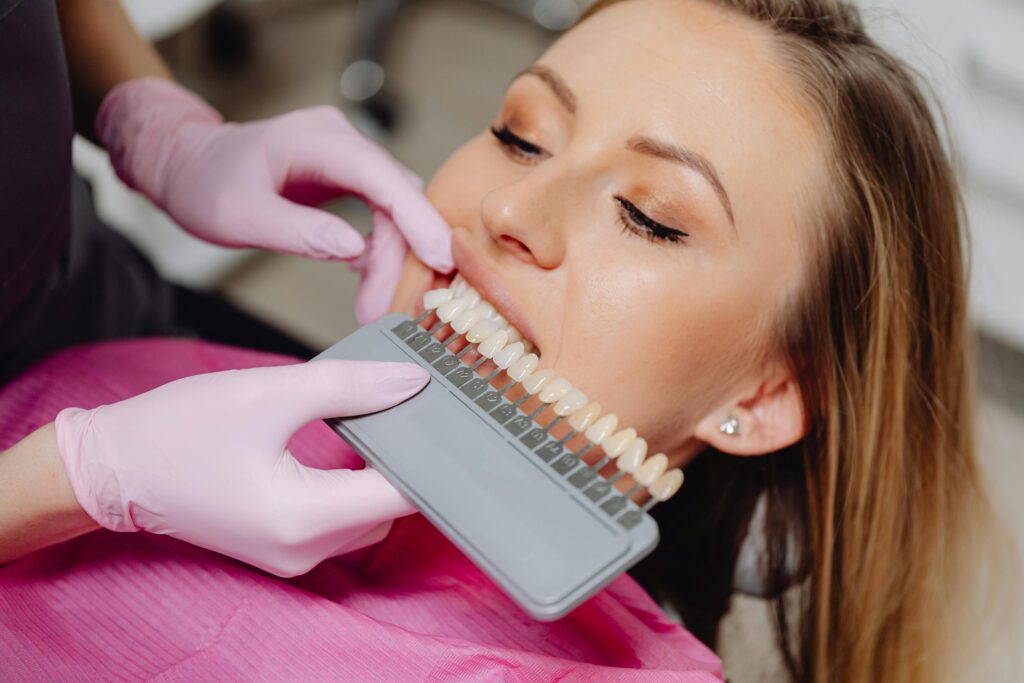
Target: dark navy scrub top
[[36, 128]]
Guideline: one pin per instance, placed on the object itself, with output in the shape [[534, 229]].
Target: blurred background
[[422, 76]]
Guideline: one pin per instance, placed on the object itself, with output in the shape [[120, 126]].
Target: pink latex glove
[[204, 459], [252, 184]]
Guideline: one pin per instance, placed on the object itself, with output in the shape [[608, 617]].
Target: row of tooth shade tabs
[[461, 307]]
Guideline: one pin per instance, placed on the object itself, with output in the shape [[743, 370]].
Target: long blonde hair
[[884, 495]]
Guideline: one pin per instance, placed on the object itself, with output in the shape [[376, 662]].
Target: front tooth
[[650, 470], [499, 318], [630, 458], [536, 381], [666, 485], [465, 320], [600, 430], [523, 367], [490, 346], [615, 444], [481, 331], [509, 355], [585, 416], [514, 334], [436, 297], [556, 389], [570, 403], [459, 285], [450, 309]]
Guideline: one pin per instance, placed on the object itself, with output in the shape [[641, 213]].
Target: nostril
[[515, 246]]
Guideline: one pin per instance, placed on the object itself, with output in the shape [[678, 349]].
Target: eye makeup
[[516, 147], [637, 222], [630, 217]]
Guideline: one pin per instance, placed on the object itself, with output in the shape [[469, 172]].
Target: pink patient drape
[[137, 606]]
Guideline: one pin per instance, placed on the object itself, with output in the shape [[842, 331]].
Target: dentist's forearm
[[103, 49], [37, 505]]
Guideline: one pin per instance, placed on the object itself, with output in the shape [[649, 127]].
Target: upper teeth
[[462, 307]]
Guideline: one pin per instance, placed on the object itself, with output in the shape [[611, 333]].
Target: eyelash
[[637, 222], [516, 147], [632, 219]]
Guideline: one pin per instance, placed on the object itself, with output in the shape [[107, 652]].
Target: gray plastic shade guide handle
[[515, 501]]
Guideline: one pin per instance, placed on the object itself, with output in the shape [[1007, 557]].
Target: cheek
[[659, 343], [459, 186]]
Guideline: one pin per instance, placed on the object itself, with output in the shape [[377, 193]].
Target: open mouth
[[489, 354], [473, 302]]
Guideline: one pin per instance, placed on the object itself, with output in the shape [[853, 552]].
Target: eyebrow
[[641, 144], [688, 158], [554, 81]]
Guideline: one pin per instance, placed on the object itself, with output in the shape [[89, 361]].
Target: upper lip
[[490, 288]]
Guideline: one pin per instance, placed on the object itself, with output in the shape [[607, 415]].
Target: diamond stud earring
[[730, 426]]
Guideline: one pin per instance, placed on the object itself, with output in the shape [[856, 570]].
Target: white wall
[[973, 52]]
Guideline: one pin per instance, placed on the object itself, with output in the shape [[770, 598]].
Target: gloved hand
[[204, 459], [251, 184]]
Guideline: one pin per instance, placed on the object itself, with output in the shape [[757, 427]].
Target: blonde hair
[[884, 494]]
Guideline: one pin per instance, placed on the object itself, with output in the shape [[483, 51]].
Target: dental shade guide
[[530, 512]]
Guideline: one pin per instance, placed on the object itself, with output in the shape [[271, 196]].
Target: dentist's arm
[[245, 185], [37, 505], [204, 459]]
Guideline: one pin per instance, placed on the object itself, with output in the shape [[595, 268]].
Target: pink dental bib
[[139, 606]]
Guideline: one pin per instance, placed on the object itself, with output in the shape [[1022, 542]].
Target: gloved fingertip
[[442, 261], [403, 378], [334, 241], [436, 254]]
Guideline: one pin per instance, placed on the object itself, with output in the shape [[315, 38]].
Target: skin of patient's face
[[661, 333]]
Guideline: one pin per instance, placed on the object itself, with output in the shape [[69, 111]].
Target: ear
[[770, 413]]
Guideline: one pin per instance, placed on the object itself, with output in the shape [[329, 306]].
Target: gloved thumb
[[384, 256], [281, 225], [294, 395]]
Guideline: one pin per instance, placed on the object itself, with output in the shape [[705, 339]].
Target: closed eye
[[637, 222], [516, 147]]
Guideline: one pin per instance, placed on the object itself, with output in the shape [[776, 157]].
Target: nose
[[523, 219]]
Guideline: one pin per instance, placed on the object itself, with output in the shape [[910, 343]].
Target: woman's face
[[635, 210]]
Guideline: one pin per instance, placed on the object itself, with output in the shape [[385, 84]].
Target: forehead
[[696, 75]]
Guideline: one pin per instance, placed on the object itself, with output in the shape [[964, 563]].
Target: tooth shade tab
[[522, 368], [471, 296], [635, 451], [459, 285], [615, 444], [509, 355], [449, 309], [602, 429], [493, 344], [556, 389], [465, 320], [481, 330], [500, 319], [570, 403], [436, 297], [537, 380], [628, 463], [650, 470], [585, 416], [514, 334], [487, 309], [665, 486]]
